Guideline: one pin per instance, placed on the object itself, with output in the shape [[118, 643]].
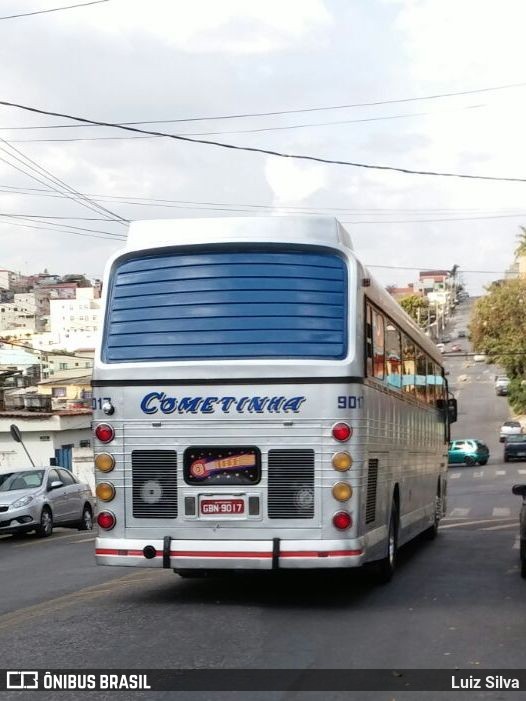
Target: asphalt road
[[457, 602]]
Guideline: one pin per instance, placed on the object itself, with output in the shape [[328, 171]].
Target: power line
[[239, 131], [54, 9], [110, 237], [269, 152], [435, 267], [443, 219], [283, 112], [54, 180], [45, 352]]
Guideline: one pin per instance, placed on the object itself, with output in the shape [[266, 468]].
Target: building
[[75, 320], [61, 366], [68, 393]]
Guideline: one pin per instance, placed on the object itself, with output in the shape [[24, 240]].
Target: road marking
[[503, 513], [23, 615], [500, 472], [42, 541], [517, 544], [82, 540], [460, 524], [478, 474], [500, 528], [460, 512], [521, 472], [454, 475]]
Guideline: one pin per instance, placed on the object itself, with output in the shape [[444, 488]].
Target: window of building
[[85, 444], [58, 392], [62, 366]]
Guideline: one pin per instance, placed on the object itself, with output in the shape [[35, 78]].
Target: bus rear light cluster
[[341, 462], [105, 491], [106, 520], [104, 462], [342, 491], [104, 433], [341, 432], [342, 520]]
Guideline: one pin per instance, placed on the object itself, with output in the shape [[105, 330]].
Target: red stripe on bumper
[[219, 554]]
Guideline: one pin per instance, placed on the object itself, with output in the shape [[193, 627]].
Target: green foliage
[[521, 243], [517, 395], [417, 307], [498, 326]]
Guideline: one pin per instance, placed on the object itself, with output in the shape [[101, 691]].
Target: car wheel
[[86, 522], [483, 462], [523, 559], [386, 567], [506, 458], [469, 461], [45, 529]]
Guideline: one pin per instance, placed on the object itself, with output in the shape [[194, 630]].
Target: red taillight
[[342, 520], [341, 432], [105, 433], [106, 520]]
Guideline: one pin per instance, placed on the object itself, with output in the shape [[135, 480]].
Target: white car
[[479, 358], [509, 428]]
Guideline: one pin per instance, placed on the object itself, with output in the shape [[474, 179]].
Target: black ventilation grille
[[372, 483], [154, 479], [291, 484]]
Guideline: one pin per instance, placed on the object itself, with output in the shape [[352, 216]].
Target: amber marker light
[[104, 462], [105, 491], [341, 461], [342, 491]]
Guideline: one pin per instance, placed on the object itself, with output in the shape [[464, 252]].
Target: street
[[457, 602]]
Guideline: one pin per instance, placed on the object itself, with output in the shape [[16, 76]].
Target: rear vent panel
[[154, 479], [372, 483], [291, 484]]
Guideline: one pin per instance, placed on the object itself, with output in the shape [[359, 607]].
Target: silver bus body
[[223, 453]]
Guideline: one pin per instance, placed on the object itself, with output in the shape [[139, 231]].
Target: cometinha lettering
[[159, 401], [489, 682]]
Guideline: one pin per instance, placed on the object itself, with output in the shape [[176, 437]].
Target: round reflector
[[105, 433], [105, 491], [341, 432], [342, 491], [106, 520], [342, 520], [341, 461], [104, 462]]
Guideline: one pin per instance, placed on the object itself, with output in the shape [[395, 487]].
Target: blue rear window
[[213, 305]]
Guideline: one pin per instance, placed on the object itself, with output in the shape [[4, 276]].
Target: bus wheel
[[432, 532], [386, 567]]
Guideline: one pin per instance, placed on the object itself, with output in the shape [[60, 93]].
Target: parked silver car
[[36, 499]]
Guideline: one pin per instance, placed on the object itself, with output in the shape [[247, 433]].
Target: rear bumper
[[223, 555]]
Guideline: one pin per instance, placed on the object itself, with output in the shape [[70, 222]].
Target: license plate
[[222, 507]]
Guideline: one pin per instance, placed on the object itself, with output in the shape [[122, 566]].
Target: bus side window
[[434, 390], [393, 354], [408, 366], [421, 375], [378, 346], [369, 341]]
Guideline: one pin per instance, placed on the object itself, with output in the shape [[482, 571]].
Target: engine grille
[[154, 480], [291, 484], [372, 482]]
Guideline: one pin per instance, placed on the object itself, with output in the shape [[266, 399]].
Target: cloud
[[293, 181]]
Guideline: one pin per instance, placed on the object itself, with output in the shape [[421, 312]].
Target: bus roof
[[272, 229]]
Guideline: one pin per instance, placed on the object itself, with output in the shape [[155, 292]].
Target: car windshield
[[516, 439], [28, 479], [512, 424]]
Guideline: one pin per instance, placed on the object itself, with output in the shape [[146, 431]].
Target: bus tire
[[386, 567], [432, 532]]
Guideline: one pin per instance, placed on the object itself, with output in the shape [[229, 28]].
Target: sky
[[146, 60]]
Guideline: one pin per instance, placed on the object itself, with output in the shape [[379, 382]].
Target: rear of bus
[[226, 389]]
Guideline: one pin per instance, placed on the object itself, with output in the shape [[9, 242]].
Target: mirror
[[519, 489], [56, 484], [452, 410]]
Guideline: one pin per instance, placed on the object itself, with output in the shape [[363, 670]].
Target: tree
[[498, 325], [521, 243], [417, 307]]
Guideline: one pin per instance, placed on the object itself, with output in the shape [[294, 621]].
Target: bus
[[261, 403]]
